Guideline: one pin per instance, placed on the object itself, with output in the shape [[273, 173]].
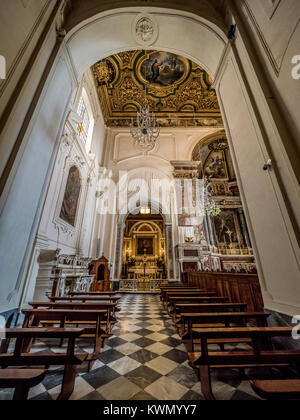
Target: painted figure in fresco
[[155, 70], [163, 69], [215, 167]]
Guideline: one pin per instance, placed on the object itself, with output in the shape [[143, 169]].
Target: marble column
[[211, 232], [119, 250], [169, 248], [207, 235]]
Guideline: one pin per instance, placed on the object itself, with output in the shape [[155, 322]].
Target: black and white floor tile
[[144, 360]]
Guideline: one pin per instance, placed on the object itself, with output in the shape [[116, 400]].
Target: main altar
[[144, 252]]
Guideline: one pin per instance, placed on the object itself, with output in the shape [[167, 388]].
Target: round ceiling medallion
[[145, 29]]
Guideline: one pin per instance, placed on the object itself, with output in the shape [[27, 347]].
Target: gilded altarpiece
[[144, 250]]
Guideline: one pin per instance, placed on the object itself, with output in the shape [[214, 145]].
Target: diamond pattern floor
[[144, 360]]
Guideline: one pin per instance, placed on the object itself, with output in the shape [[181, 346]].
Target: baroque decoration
[[178, 91]]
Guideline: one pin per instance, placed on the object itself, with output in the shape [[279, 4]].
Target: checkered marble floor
[[144, 360]]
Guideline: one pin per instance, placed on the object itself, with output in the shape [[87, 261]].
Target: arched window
[[83, 127], [71, 197]]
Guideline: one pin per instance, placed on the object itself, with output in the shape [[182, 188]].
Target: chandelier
[[210, 206], [145, 130]]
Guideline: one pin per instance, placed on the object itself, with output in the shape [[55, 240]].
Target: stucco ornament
[[145, 30]]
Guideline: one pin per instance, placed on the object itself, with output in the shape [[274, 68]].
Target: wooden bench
[[210, 307], [85, 299], [111, 307], [93, 306], [181, 308], [277, 390], [4, 344], [165, 292], [91, 319], [260, 355], [165, 289], [19, 357], [92, 294], [21, 381], [189, 322], [177, 300]]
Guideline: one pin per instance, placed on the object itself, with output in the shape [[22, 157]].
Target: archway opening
[[144, 249]]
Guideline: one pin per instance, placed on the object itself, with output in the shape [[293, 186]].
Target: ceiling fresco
[[177, 90]]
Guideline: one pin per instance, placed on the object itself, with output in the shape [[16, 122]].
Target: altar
[[144, 251]]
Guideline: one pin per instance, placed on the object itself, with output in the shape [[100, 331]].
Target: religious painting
[[215, 166], [145, 246], [163, 69], [71, 197], [226, 228]]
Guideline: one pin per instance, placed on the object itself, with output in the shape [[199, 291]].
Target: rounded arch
[[102, 27], [208, 10], [204, 141]]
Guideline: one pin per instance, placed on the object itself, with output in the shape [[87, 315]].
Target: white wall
[[53, 233]]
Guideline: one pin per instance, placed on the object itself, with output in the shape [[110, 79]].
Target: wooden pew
[[181, 308], [4, 344], [176, 300], [84, 299], [92, 306], [21, 381], [189, 295], [69, 360], [201, 293], [92, 294], [189, 322], [277, 389], [165, 292], [195, 320], [111, 307], [210, 307], [64, 317], [260, 355]]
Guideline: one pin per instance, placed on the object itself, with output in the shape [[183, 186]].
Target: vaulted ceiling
[[177, 90]]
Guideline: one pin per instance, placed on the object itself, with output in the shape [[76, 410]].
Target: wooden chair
[[70, 360], [21, 380], [277, 390]]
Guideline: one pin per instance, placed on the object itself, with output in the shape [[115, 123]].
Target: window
[[83, 127]]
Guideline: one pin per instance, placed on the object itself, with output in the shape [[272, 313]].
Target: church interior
[[149, 200]]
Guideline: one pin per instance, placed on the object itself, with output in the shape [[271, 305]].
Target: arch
[[102, 27], [101, 272], [208, 10]]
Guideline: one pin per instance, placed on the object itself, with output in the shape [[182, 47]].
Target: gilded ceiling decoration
[[177, 90]]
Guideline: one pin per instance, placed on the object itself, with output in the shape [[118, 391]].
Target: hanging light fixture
[[145, 130], [210, 206]]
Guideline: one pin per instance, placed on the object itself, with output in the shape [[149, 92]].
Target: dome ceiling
[[177, 90]]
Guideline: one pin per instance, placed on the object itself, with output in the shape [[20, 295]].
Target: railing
[[151, 286], [236, 251]]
